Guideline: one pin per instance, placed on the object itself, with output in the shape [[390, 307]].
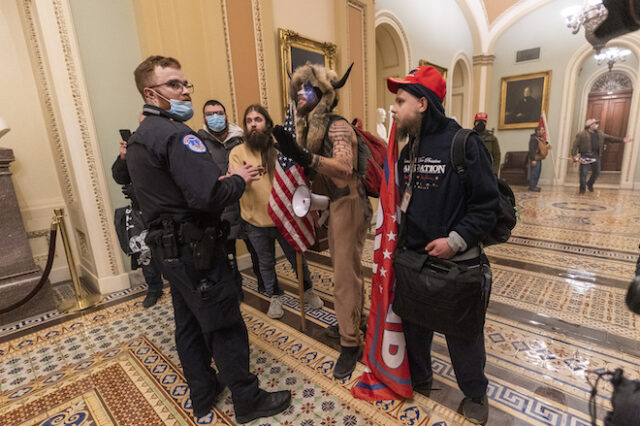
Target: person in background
[[489, 139], [587, 150], [140, 259], [538, 147]]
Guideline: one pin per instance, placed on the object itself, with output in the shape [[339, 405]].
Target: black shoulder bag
[[437, 294]]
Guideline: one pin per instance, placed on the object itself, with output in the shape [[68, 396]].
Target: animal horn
[[338, 84]]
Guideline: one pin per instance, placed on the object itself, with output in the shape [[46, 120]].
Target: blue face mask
[[181, 110], [216, 122]]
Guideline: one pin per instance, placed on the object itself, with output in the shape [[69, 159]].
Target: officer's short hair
[[143, 73], [260, 110], [214, 103]]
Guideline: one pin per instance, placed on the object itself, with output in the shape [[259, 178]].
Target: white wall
[[110, 51], [34, 171], [436, 29]]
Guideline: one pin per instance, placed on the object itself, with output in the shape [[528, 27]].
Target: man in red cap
[[446, 219], [489, 139]]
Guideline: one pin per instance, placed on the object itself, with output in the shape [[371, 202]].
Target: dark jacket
[[582, 143], [220, 153], [173, 173], [491, 142], [120, 174], [440, 204], [534, 148]]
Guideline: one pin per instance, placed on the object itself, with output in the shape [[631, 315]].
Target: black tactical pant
[[209, 325]]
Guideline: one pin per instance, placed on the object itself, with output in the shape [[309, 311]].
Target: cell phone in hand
[[125, 134]]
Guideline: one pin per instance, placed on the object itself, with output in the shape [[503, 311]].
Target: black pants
[[209, 325], [467, 354]]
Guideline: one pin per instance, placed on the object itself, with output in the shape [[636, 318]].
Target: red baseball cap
[[426, 76], [481, 116]]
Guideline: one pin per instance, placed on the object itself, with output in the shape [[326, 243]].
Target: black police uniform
[[175, 179]]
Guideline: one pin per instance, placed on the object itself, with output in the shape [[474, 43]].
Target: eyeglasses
[[176, 85]]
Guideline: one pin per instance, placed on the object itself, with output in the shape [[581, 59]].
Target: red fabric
[[543, 127], [299, 232], [387, 375], [481, 116], [427, 76]]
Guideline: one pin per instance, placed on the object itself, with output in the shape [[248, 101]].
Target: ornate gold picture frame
[[523, 98], [440, 69], [296, 50]]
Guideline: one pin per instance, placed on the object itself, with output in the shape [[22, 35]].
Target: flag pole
[[303, 322], [553, 162]]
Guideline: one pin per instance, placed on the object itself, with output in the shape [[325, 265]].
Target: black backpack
[[507, 213]]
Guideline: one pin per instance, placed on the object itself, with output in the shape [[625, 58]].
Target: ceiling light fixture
[[590, 15]]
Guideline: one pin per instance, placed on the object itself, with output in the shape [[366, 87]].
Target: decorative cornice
[[484, 59], [108, 244], [45, 95], [38, 234], [227, 43], [257, 33]]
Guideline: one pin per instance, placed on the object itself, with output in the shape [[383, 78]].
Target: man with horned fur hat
[[329, 151]]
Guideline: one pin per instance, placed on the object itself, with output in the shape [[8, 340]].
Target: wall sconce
[[611, 56]]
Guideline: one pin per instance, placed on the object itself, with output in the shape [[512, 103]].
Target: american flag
[[299, 232], [387, 374]]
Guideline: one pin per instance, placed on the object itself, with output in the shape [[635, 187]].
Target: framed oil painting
[[296, 50], [441, 70], [522, 100]]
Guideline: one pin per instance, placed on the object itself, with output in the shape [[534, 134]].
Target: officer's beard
[[262, 142]]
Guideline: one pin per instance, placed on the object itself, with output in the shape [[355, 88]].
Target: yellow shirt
[[254, 201]]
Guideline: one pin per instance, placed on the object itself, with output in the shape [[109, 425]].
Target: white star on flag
[[383, 272], [386, 254], [393, 217], [391, 236]]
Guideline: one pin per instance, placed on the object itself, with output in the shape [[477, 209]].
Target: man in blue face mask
[[182, 194]]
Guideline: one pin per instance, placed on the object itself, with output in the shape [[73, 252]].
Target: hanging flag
[[299, 232], [387, 374], [543, 124]]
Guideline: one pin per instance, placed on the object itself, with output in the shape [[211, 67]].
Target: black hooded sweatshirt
[[439, 203]]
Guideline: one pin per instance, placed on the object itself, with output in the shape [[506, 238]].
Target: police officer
[[178, 188]]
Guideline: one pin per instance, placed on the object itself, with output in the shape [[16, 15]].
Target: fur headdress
[[311, 127]]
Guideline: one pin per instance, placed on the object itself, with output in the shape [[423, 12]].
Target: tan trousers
[[348, 223]]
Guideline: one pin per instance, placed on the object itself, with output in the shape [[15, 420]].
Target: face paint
[[309, 93]]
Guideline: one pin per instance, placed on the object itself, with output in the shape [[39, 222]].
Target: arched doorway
[[607, 96], [392, 56], [459, 87]]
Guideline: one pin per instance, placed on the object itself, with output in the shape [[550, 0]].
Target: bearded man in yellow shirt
[[259, 150]]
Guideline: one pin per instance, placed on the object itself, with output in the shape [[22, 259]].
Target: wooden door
[[612, 109]]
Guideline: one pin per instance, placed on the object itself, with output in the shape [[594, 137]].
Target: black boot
[[346, 363], [268, 404], [151, 298]]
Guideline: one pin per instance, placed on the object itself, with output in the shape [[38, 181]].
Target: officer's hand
[[440, 248], [247, 172], [287, 146], [123, 149]]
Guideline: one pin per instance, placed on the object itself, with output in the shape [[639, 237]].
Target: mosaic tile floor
[[568, 263]]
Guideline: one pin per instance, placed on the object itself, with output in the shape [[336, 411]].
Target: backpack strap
[[458, 149]]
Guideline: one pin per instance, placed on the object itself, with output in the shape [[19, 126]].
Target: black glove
[[287, 146]]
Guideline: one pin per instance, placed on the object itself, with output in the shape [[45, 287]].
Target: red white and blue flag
[[288, 175], [387, 374]]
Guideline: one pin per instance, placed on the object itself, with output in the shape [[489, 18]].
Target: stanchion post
[[303, 323], [82, 299]]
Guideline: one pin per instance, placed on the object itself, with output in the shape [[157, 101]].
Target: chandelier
[[590, 15], [611, 56]]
